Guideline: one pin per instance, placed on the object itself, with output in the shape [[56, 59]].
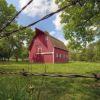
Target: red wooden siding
[[60, 55]]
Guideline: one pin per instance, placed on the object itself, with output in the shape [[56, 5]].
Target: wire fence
[[5, 34], [18, 13]]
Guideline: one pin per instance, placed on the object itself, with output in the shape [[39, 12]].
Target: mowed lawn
[[48, 88], [71, 67]]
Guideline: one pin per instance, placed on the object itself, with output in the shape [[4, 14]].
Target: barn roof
[[56, 43]]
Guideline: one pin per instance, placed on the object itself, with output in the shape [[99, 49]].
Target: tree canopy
[[15, 45], [81, 21]]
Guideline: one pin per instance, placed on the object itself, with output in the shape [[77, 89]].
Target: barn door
[[39, 58]]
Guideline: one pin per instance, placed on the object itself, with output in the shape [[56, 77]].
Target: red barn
[[46, 49]]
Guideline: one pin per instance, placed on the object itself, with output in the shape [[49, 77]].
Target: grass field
[[71, 67], [46, 88]]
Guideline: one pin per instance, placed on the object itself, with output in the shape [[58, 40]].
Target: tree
[[91, 53], [6, 13], [81, 21], [24, 53], [97, 51], [23, 39], [16, 44]]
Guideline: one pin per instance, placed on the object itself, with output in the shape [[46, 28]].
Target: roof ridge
[[56, 42], [56, 39], [47, 33]]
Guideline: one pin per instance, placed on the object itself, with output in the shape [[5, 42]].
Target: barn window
[[57, 55], [39, 49], [63, 56]]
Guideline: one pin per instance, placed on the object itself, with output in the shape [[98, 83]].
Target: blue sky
[[33, 13]]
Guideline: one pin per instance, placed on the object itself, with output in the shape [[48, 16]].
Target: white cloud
[[38, 7], [57, 22], [66, 42], [93, 28], [25, 43], [52, 33]]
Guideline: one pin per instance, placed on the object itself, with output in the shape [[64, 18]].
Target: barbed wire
[[9, 22], [26, 73], [73, 2]]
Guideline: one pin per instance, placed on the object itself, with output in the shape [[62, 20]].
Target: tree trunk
[[8, 58], [22, 59], [16, 59]]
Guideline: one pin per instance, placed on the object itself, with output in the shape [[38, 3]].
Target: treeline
[[16, 46], [91, 53]]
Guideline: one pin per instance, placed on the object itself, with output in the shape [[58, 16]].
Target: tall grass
[[18, 88]]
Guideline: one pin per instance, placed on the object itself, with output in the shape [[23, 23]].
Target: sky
[[36, 10]]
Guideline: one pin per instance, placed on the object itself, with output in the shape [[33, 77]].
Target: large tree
[[23, 39], [81, 21], [15, 44], [6, 13]]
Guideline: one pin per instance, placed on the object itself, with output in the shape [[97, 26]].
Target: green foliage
[[16, 45], [81, 21], [23, 39], [5, 48], [6, 13], [90, 53]]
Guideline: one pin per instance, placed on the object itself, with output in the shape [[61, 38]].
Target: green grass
[[71, 67], [46, 88]]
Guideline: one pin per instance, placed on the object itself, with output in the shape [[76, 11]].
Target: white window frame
[[39, 49], [59, 55]]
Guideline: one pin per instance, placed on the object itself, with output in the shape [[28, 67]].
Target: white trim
[[53, 56], [45, 53]]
